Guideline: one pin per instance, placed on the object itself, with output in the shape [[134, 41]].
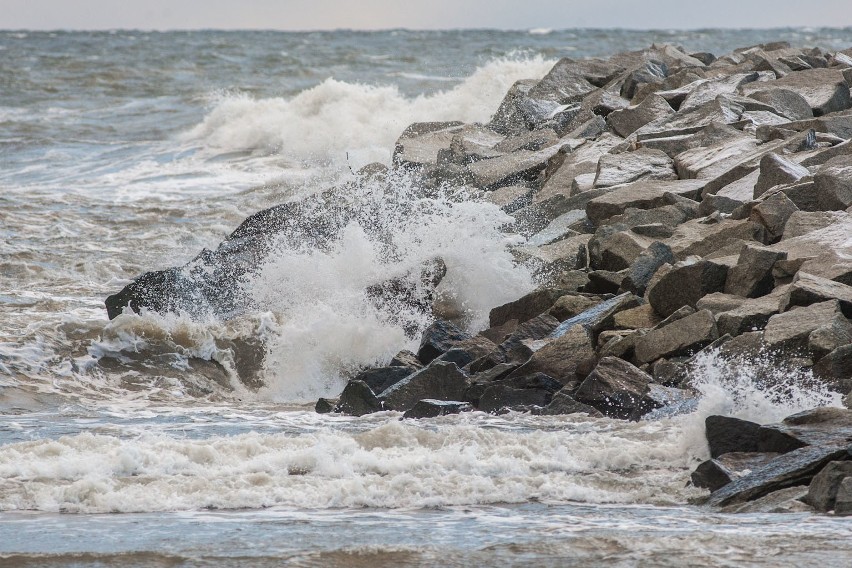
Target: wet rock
[[498, 397], [684, 336], [600, 316], [715, 473], [843, 502], [634, 166], [626, 121], [685, 284], [439, 338], [467, 351], [510, 169], [833, 184], [823, 426], [511, 118], [406, 359], [439, 380], [794, 468], [651, 72], [563, 403], [570, 305], [640, 317], [773, 213], [380, 378], [325, 405], [526, 307], [642, 269], [433, 408], [777, 170], [561, 357], [787, 500], [618, 389], [726, 434], [752, 276], [420, 143], [640, 195], [835, 368], [516, 347], [822, 492], [604, 281], [358, 399]]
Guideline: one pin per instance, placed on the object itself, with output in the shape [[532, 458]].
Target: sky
[[419, 14]]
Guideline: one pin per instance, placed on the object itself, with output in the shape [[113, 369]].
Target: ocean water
[[132, 442]]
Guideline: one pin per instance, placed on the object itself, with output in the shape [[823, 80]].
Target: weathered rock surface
[[617, 389], [726, 434], [439, 338], [822, 492], [715, 473], [428, 408], [684, 336], [357, 399], [439, 381], [752, 276], [685, 284], [634, 166]]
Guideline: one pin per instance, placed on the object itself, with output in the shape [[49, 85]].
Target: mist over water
[[131, 151]]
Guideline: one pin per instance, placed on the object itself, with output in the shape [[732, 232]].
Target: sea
[[133, 442]]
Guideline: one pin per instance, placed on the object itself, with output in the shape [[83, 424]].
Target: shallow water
[[133, 442]]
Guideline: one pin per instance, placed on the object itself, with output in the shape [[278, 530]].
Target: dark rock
[[640, 317], [357, 399], [561, 357], [428, 408], [818, 427], [325, 405], [645, 266], [406, 359], [685, 284], [794, 468], [563, 403], [618, 389], [439, 381], [516, 347], [773, 213], [714, 474], [497, 397], [833, 184], [604, 281], [651, 72], [726, 434], [570, 305], [752, 276], [600, 316], [614, 249], [835, 368], [843, 502], [510, 118], [634, 166], [626, 121], [439, 338], [526, 307], [380, 378], [467, 351], [822, 492]]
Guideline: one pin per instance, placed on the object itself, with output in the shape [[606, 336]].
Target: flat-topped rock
[[825, 90], [439, 380], [619, 169], [684, 336], [685, 284], [645, 194]]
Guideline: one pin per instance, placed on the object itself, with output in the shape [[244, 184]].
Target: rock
[[439, 338], [719, 302], [699, 238], [604, 281], [640, 317], [803, 222], [357, 399], [526, 307], [752, 276], [325, 405], [833, 184], [822, 492], [510, 118], [777, 170], [830, 336], [570, 305], [380, 378], [614, 249], [510, 169], [707, 91], [835, 369], [652, 71], [561, 357], [634, 166], [789, 331], [510, 198], [750, 315], [563, 403], [626, 121], [773, 213], [498, 397], [843, 503], [406, 359], [618, 389], [420, 143], [787, 500], [825, 90], [558, 229], [785, 102], [566, 254], [564, 83], [825, 426], [598, 317], [807, 289], [467, 351], [794, 468], [686, 283], [433, 408], [684, 336], [726, 434], [516, 347], [438, 381], [644, 194], [714, 474]]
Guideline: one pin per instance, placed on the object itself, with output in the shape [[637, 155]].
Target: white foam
[[453, 461], [335, 117]]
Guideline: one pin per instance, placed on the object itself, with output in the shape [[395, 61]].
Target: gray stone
[[380, 378], [433, 408], [526, 307], [843, 502], [560, 357], [357, 399], [777, 170], [563, 403], [686, 283], [406, 359], [715, 473], [700, 238], [825, 90], [634, 166], [719, 302], [618, 389], [600, 316], [510, 169], [651, 72], [784, 501], [558, 229], [830, 336], [822, 492], [773, 213], [509, 119], [803, 222], [614, 249], [824, 426], [639, 273], [835, 369], [807, 289], [644, 194], [726, 434], [439, 381], [604, 281], [497, 397], [790, 330], [640, 317], [530, 141], [794, 468], [420, 143], [707, 91], [564, 83], [684, 336], [625, 122], [751, 315], [833, 184], [752, 276], [439, 338], [467, 351], [570, 305], [516, 347], [785, 102]]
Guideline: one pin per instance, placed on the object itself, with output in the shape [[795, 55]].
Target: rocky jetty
[[671, 204]]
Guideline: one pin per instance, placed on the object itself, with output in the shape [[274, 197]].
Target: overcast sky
[[419, 14]]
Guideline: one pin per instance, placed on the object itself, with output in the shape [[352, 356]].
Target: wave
[[324, 123]]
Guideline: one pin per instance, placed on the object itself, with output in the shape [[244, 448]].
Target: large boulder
[[686, 283], [825, 90], [752, 276], [640, 195], [439, 381], [561, 357], [629, 167], [726, 434], [439, 338], [357, 399], [833, 184], [822, 492], [684, 336], [618, 389], [429, 408]]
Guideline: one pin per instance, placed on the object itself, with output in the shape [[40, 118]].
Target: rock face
[[686, 335], [440, 381], [617, 389]]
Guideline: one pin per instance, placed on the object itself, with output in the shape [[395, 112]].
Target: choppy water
[[129, 151]]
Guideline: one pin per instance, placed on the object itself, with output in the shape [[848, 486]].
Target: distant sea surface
[[131, 442]]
